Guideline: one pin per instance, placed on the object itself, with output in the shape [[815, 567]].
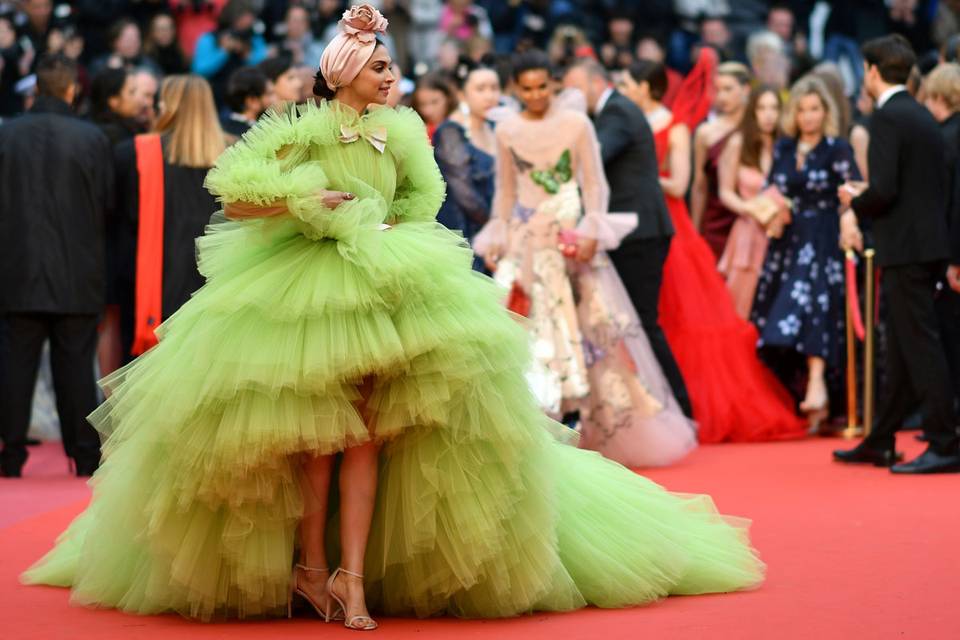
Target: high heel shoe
[[815, 417], [817, 411], [295, 590], [357, 623]]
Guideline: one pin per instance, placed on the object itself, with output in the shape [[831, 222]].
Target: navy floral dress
[[800, 298], [468, 172]]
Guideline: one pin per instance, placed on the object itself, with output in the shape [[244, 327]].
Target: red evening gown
[[735, 397]]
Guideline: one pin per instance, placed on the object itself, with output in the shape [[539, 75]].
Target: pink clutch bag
[[567, 242]]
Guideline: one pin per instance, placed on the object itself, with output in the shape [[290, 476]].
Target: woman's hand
[[586, 249], [492, 257], [776, 226], [850, 235], [333, 199], [953, 277]]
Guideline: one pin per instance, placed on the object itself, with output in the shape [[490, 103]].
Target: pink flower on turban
[[346, 55], [364, 22]]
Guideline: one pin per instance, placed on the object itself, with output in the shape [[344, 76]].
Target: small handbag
[[768, 205], [568, 242], [518, 301]]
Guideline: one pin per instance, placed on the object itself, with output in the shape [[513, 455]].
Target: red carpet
[[852, 552]]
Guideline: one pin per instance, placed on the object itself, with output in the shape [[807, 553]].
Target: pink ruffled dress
[[746, 247]]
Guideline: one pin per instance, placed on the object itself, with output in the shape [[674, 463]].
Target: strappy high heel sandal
[[295, 590], [817, 412], [357, 623]]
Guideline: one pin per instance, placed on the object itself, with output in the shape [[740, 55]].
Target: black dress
[[186, 212]]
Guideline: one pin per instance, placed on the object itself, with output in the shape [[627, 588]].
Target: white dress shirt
[[889, 93], [602, 102]]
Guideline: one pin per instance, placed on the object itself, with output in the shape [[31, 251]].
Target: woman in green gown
[[340, 325]]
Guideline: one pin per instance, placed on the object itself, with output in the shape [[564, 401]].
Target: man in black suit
[[57, 172], [906, 202], [630, 164]]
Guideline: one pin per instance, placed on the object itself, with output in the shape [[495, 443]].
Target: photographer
[[125, 50], [232, 45]]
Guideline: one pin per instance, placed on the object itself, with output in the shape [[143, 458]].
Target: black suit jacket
[[56, 173], [630, 162], [907, 197], [233, 127], [950, 128]]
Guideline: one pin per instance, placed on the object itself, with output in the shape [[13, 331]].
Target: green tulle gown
[[481, 509]]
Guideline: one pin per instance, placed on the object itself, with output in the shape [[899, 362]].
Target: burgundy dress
[[717, 219]]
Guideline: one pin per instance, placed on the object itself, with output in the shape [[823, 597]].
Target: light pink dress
[[590, 353], [746, 247]]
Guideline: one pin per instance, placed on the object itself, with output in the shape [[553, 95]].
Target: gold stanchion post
[[868, 352], [852, 430]]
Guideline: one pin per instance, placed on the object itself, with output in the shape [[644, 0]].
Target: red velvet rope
[[853, 297]]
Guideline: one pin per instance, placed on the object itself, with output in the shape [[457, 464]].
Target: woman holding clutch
[[743, 168], [545, 241], [799, 308]]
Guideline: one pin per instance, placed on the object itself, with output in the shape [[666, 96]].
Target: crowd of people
[[658, 185]]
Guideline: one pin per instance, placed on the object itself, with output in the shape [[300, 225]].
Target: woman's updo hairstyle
[[467, 65], [320, 87]]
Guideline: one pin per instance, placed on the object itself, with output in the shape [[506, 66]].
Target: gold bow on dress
[[376, 136]]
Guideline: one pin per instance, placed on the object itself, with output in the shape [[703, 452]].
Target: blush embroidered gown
[[590, 352], [735, 397], [480, 511]]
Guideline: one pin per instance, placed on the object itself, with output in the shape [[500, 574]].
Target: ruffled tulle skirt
[[735, 397], [481, 509]]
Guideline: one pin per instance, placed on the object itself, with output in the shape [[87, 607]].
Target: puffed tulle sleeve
[[270, 172], [420, 187], [608, 229]]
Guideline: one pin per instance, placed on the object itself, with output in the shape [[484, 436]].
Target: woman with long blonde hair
[[163, 207], [799, 305]]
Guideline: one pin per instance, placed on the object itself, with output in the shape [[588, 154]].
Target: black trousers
[[948, 312], [73, 346], [916, 365], [640, 265]]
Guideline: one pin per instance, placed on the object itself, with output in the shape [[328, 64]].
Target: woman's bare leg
[[358, 493], [315, 487], [816, 396], [814, 404]]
